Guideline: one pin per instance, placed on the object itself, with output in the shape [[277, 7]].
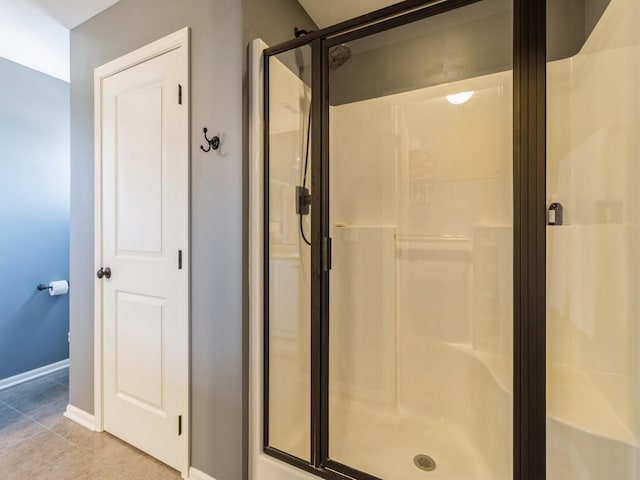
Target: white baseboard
[[81, 417], [32, 374], [195, 474]]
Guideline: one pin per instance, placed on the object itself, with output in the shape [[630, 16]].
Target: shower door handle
[[326, 254]]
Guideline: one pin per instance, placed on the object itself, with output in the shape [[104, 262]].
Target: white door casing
[[142, 235]]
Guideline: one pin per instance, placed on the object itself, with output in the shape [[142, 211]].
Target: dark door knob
[[104, 273]]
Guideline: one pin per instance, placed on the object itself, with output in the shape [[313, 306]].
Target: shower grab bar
[[433, 238], [363, 226]]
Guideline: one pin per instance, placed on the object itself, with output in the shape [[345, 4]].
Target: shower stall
[[445, 254]]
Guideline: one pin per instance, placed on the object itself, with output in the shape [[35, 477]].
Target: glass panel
[[421, 202], [289, 99], [593, 248]]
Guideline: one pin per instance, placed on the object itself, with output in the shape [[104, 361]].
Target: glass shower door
[[421, 285], [287, 320]]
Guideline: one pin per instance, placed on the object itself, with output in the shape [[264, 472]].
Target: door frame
[[179, 39]]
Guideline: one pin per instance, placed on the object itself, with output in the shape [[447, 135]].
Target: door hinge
[[179, 259], [179, 425], [179, 94], [326, 254]]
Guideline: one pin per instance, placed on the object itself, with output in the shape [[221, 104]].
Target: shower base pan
[[386, 445]]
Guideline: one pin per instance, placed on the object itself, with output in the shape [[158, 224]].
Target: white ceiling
[[329, 12], [35, 33], [71, 13]]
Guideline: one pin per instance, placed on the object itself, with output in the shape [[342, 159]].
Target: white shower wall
[[420, 189], [594, 259]]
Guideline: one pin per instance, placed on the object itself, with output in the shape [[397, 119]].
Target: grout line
[[28, 417], [14, 409], [30, 412], [23, 416]]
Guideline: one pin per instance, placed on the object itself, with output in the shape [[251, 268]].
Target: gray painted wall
[[218, 419], [220, 30], [34, 214], [593, 10], [569, 24], [472, 41], [274, 20], [468, 42]]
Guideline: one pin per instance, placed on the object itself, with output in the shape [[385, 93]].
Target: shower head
[[338, 56]]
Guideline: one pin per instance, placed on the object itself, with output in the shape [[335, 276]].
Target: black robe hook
[[213, 143]]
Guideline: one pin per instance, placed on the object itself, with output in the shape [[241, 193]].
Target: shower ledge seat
[[572, 398]]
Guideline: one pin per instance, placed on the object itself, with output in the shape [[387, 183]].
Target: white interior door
[[145, 212]]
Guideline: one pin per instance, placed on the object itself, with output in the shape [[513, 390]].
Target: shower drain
[[424, 462]]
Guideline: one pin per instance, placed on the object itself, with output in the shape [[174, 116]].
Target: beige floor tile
[[41, 444], [128, 460], [31, 459], [75, 433], [119, 455], [50, 414], [76, 464], [49, 457], [7, 414], [34, 394], [16, 430], [143, 467], [61, 376]]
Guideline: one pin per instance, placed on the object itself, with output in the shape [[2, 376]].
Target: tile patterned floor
[[38, 443]]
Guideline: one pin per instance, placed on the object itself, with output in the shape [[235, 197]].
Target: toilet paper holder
[[53, 288]]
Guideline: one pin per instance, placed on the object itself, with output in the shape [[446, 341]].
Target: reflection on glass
[[289, 268], [593, 166], [421, 322]]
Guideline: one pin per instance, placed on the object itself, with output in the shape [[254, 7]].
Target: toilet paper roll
[[59, 287]]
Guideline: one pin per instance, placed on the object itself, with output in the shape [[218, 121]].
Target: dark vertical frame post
[[323, 135], [265, 279], [318, 192], [529, 240]]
